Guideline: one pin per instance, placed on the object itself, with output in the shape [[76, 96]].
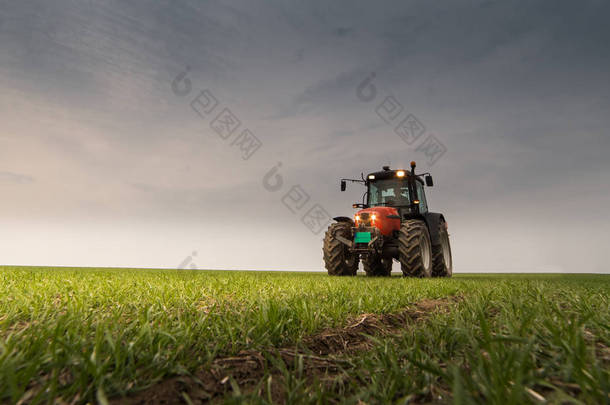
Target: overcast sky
[[103, 162]]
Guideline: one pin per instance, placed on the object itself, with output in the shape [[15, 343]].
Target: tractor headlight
[[400, 173]]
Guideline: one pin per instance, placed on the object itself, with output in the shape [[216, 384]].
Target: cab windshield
[[389, 192]]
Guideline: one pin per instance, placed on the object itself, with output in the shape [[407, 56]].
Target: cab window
[[389, 193]]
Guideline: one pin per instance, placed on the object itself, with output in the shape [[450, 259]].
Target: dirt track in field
[[319, 357]]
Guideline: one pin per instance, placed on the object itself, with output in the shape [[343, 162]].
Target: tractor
[[393, 223]]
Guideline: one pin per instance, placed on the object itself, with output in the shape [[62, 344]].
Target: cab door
[[421, 194]]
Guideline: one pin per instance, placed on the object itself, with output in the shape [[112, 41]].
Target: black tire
[[442, 262], [376, 266], [338, 260], [415, 249]]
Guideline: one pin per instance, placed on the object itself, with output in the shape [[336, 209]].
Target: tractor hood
[[378, 217]]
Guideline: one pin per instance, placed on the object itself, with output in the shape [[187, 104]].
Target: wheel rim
[[426, 256], [446, 251]]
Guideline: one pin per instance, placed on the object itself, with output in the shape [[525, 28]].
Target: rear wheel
[[441, 254], [377, 266], [338, 260], [415, 249]]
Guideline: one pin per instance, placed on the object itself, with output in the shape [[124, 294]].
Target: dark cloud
[[322, 95]]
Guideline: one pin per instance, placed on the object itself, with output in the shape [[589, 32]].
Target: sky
[[115, 148]]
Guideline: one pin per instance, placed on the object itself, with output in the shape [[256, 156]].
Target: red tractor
[[394, 223]]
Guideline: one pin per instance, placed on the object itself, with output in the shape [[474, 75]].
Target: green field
[[123, 336]]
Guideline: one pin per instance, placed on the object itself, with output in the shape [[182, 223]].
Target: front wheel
[[338, 260], [415, 249]]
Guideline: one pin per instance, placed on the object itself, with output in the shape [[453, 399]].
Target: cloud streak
[[16, 178]]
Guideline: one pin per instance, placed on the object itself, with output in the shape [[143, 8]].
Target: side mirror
[[429, 181], [342, 185]]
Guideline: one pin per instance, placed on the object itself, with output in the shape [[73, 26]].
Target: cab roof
[[391, 174]]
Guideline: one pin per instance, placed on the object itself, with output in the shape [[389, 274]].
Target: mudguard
[[344, 219], [433, 219]]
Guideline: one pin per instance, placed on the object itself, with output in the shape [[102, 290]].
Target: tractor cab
[[400, 189]]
